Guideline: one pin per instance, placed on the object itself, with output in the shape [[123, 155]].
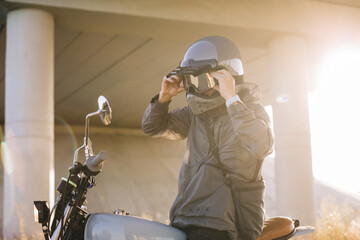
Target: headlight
[[41, 211]]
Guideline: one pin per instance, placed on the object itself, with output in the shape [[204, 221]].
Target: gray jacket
[[243, 137]]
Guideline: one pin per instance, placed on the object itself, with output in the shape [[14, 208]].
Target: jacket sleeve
[[159, 122], [252, 128]]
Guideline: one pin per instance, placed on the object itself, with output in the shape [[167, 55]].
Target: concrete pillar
[[293, 165], [29, 119]]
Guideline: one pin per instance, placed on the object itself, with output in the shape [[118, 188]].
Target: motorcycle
[[69, 219]]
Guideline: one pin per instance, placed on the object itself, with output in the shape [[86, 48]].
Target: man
[[228, 136]]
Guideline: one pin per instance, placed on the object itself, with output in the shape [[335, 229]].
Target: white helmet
[[214, 52]]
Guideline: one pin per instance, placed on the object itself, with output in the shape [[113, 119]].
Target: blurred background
[[57, 57]]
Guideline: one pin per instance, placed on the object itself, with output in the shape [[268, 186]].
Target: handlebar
[[94, 163]]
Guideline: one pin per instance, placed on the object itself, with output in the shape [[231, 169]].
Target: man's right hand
[[170, 87]]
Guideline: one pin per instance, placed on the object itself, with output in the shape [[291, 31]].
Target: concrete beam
[[301, 17]]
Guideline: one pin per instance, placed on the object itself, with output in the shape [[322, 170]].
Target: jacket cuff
[[156, 104], [155, 98], [232, 100]]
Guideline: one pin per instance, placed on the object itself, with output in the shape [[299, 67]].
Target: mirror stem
[[76, 153], [87, 120]]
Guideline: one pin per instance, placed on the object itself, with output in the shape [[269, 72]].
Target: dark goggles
[[195, 74], [200, 83]]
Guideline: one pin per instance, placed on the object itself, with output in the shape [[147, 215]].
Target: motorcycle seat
[[278, 228]]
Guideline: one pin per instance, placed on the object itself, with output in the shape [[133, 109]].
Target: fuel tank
[[119, 227]]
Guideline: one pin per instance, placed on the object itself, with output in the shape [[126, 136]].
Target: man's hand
[[226, 83], [170, 87]]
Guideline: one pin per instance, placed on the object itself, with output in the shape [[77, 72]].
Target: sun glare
[[335, 120]]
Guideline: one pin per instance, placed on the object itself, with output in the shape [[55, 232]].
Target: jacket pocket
[[249, 207], [218, 205]]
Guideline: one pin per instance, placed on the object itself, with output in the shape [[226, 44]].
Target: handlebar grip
[[94, 163]]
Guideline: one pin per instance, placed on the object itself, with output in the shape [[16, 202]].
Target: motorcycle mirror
[[105, 113], [105, 110]]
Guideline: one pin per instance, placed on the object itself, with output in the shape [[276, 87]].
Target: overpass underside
[[61, 55]]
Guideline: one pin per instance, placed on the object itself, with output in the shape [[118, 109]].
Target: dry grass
[[336, 222]]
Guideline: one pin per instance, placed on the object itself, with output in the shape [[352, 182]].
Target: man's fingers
[[217, 75], [217, 88], [176, 78], [172, 79], [181, 89], [221, 72], [169, 80]]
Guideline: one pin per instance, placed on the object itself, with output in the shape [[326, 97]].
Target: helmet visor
[[201, 83]]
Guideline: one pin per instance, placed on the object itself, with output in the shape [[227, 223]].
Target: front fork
[[57, 231]]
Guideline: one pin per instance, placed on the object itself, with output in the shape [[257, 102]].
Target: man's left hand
[[226, 85]]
